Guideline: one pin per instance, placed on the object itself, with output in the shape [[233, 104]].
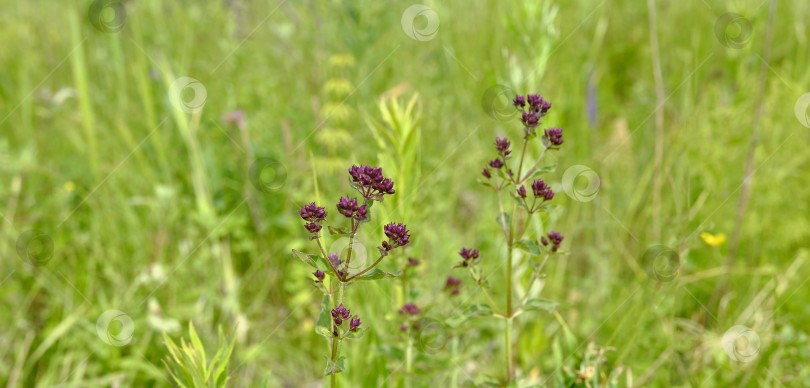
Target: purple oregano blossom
[[513, 221], [332, 272]]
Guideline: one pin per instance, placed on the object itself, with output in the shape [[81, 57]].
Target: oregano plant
[[332, 272], [521, 196]]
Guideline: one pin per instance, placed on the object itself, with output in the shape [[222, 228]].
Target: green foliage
[[143, 203], [189, 366]]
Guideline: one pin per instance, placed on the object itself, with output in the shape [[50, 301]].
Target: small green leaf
[[356, 334], [475, 310], [324, 324], [485, 182], [548, 207], [333, 368], [306, 258], [530, 247], [539, 304], [542, 170], [324, 332], [337, 231], [376, 273]]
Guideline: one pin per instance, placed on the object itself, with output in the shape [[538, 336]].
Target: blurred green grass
[[152, 212]]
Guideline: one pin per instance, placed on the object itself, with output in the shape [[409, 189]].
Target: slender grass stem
[[408, 362]]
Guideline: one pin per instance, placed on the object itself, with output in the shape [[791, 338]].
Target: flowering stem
[[522, 156], [323, 252], [367, 269], [351, 243], [335, 345], [336, 340], [509, 308], [509, 371], [531, 170]]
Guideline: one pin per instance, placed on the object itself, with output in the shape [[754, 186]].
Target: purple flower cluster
[[452, 285], [537, 108], [348, 207], [521, 191], [319, 275], [469, 256], [397, 236], [371, 182], [554, 136], [502, 145], [530, 120], [542, 190], [341, 314], [538, 105], [496, 164], [556, 240], [336, 262], [410, 309], [412, 262], [315, 215]]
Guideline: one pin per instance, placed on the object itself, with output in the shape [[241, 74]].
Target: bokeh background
[[154, 154]]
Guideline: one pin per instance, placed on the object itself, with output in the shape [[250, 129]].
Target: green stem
[[531, 170], [336, 340], [367, 269], [522, 156], [335, 344], [509, 369]]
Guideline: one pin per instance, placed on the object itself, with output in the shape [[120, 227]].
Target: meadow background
[[115, 195]]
